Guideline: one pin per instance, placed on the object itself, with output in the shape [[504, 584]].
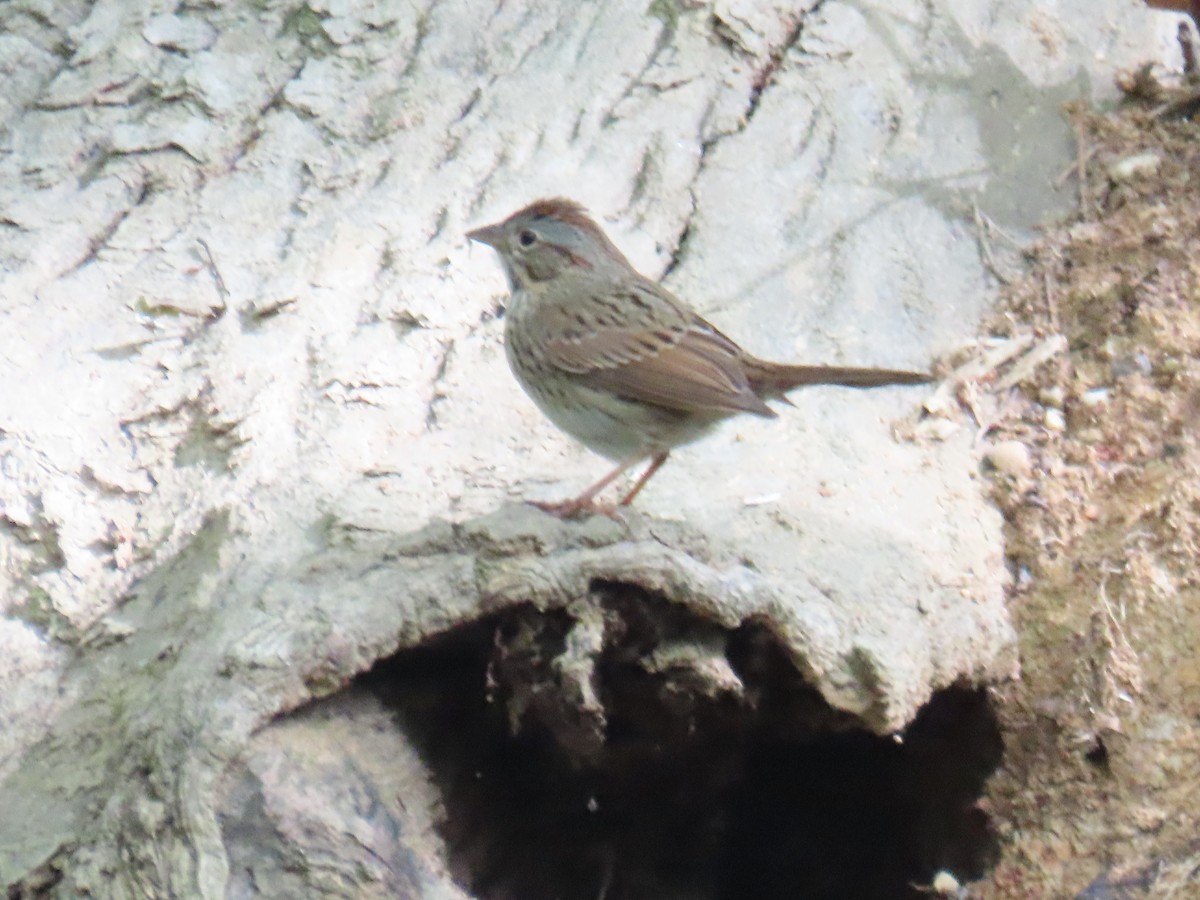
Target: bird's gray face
[[536, 249]]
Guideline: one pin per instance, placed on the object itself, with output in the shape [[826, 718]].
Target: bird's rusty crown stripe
[[559, 208]]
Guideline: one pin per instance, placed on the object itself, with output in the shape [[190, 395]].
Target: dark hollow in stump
[[625, 748]]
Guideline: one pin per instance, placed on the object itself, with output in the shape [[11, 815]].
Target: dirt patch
[[1088, 392]]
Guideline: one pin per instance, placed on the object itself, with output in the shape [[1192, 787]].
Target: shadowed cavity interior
[[627, 748]]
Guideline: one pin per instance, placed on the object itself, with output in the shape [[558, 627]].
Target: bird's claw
[[578, 508]]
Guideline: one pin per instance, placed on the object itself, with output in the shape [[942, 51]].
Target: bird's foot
[[579, 507]]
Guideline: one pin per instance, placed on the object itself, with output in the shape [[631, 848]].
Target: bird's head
[[549, 239]]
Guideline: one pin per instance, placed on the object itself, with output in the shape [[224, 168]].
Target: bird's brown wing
[[646, 346]]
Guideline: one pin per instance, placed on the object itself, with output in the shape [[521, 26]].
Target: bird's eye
[[527, 238]]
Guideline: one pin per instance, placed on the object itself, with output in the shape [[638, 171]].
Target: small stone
[[1052, 395], [1095, 397], [1055, 420], [937, 429], [945, 884], [1010, 458], [1137, 166]]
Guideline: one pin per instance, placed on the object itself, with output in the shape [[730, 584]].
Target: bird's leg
[[566, 509], [655, 465]]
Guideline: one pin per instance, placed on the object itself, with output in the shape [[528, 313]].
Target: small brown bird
[[618, 362]]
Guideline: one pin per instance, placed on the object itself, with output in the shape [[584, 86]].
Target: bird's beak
[[488, 234]]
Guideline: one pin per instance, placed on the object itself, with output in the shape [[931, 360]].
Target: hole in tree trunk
[[626, 748]]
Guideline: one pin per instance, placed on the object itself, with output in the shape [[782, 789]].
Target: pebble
[[1053, 395], [1010, 457], [1055, 420], [937, 429], [945, 884], [1137, 166]]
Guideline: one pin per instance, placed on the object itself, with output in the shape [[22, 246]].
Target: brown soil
[[1091, 427]]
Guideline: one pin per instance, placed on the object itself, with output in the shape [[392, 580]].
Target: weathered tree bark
[[246, 350]]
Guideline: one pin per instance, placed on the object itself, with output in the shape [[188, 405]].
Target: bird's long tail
[[769, 379]]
